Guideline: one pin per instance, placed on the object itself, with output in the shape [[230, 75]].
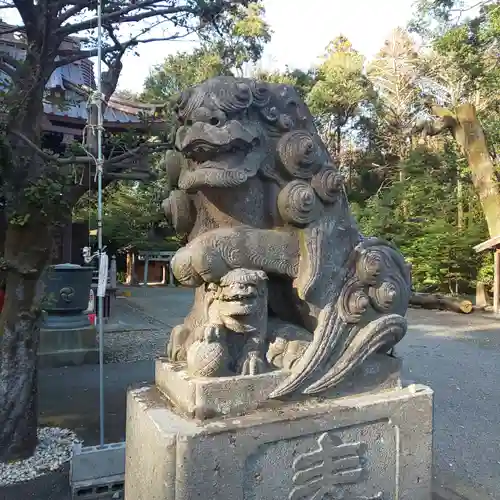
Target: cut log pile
[[435, 301]]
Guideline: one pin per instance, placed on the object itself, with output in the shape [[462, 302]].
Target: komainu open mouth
[[200, 151], [239, 303], [239, 297], [217, 154]]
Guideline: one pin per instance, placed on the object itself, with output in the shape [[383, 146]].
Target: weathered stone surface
[[375, 446], [255, 190], [206, 397], [279, 385]]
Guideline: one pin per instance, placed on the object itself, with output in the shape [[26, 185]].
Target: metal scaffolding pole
[[102, 259]]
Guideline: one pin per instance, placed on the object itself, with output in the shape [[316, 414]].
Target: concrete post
[[112, 272], [146, 264], [171, 280]]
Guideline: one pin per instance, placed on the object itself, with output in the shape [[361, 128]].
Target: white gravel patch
[[55, 446]]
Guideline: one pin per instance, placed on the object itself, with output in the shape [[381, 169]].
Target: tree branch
[[82, 160], [78, 7], [6, 265], [11, 61], [27, 11], [121, 16], [7, 68], [434, 126], [72, 56]]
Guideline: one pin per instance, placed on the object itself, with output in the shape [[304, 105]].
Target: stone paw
[[253, 364], [212, 333], [175, 347]]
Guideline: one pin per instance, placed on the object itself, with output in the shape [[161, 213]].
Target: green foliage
[[340, 92], [418, 195], [240, 38], [420, 216], [301, 80], [131, 217], [244, 34], [180, 71]]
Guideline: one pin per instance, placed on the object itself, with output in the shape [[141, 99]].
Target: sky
[[301, 32]]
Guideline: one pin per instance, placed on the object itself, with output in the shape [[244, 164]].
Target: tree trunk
[[469, 134], [460, 202], [28, 241], [26, 253], [430, 301]]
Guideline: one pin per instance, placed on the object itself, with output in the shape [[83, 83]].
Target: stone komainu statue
[[254, 188]]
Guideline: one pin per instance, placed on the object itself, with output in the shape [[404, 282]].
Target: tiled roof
[[79, 111], [69, 80]]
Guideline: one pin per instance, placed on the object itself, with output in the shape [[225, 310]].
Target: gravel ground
[[135, 345], [54, 449], [133, 335]]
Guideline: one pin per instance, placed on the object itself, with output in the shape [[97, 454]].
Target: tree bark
[[468, 132], [26, 253]]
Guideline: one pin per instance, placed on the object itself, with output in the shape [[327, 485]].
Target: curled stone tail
[[368, 315], [384, 331], [319, 350]]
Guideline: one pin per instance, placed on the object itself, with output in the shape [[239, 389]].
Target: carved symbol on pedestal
[[67, 294], [321, 471]]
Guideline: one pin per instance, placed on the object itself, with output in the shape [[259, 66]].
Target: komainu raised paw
[[213, 333], [253, 364], [175, 349]]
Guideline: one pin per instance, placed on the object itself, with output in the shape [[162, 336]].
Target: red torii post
[[493, 244]]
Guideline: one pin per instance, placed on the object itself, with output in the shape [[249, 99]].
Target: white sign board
[[103, 275], [91, 306]]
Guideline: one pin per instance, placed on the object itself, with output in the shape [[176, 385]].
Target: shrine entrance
[[152, 266]]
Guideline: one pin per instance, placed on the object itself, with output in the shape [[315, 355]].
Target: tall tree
[[37, 187], [393, 73], [462, 77], [340, 92], [243, 35]]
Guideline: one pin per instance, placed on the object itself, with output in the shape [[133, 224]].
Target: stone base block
[[68, 347], [374, 446], [203, 398], [97, 471]]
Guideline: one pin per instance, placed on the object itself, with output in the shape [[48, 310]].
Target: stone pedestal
[[68, 347], [193, 439]]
